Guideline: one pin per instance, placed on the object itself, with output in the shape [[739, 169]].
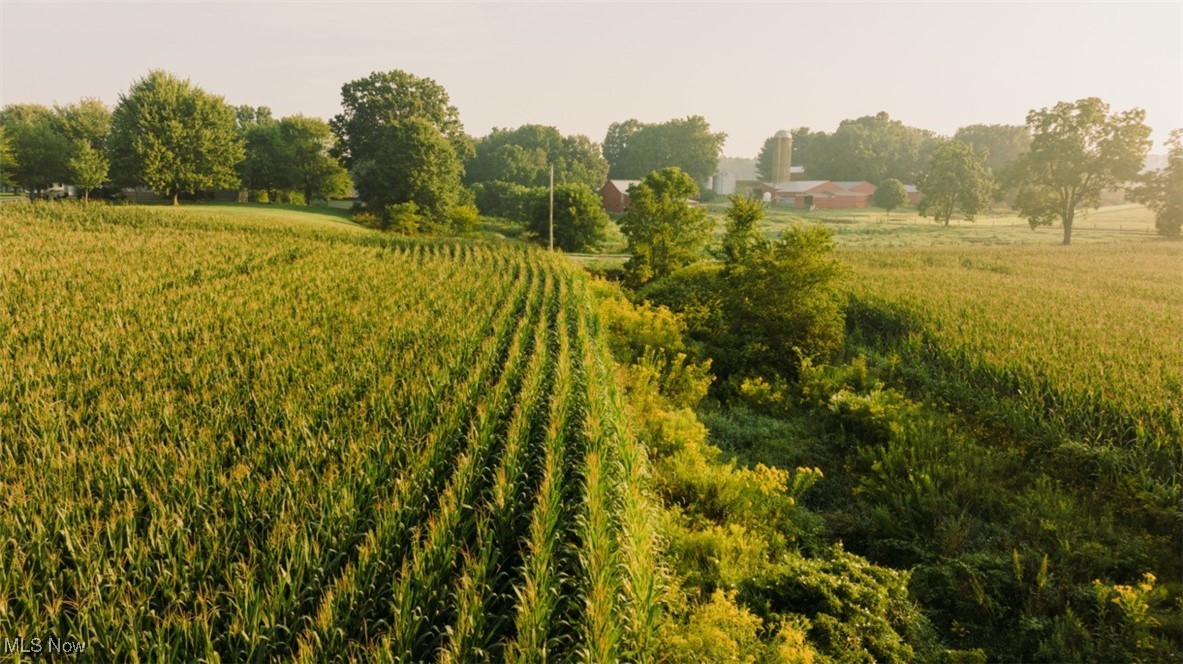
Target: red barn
[[614, 193], [914, 194], [819, 194]]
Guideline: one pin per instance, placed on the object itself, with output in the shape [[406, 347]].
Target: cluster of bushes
[[580, 223], [1007, 553], [409, 219], [1020, 541], [753, 577]]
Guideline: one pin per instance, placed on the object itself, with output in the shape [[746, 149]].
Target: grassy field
[[905, 228], [263, 435]]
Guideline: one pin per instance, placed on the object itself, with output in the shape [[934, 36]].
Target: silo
[[724, 184], [782, 156]]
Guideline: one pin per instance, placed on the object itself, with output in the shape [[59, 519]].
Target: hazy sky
[[750, 69]]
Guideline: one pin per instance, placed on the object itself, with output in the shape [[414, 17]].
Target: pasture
[[872, 227]]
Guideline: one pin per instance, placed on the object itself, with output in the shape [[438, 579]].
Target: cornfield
[[228, 441], [1078, 343]]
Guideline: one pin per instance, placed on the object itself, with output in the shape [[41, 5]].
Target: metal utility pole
[[552, 207]]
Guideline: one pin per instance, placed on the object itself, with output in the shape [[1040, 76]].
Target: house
[[614, 193]]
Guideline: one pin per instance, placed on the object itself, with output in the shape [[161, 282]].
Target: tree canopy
[[1001, 144], [1078, 149], [384, 99], [741, 234], [413, 163], [872, 148], [580, 220], [1162, 190], [524, 156], [664, 232], [890, 195], [957, 181], [40, 152], [174, 137], [87, 120], [314, 171], [7, 162], [267, 165], [634, 149]]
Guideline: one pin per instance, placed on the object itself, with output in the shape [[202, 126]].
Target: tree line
[[401, 144]]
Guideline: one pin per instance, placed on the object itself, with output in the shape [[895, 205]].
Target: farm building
[[914, 195], [615, 194], [821, 194], [826, 194]]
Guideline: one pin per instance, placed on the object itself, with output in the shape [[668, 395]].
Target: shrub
[[464, 218], [367, 219], [404, 218], [580, 221], [502, 199]]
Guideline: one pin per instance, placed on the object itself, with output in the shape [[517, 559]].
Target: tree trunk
[[307, 196], [86, 196], [176, 201], [1068, 226]]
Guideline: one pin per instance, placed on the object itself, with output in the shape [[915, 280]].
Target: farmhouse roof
[[797, 186], [623, 185]]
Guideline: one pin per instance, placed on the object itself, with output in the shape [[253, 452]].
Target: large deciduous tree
[[412, 163], [268, 162], [524, 156], [382, 100], [664, 231], [1162, 190], [872, 148], [579, 221], [403, 142], [890, 195], [87, 120], [40, 153], [314, 172], [957, 181], [1078, 149], [634, 149], [174, 137], [1001, 144]]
